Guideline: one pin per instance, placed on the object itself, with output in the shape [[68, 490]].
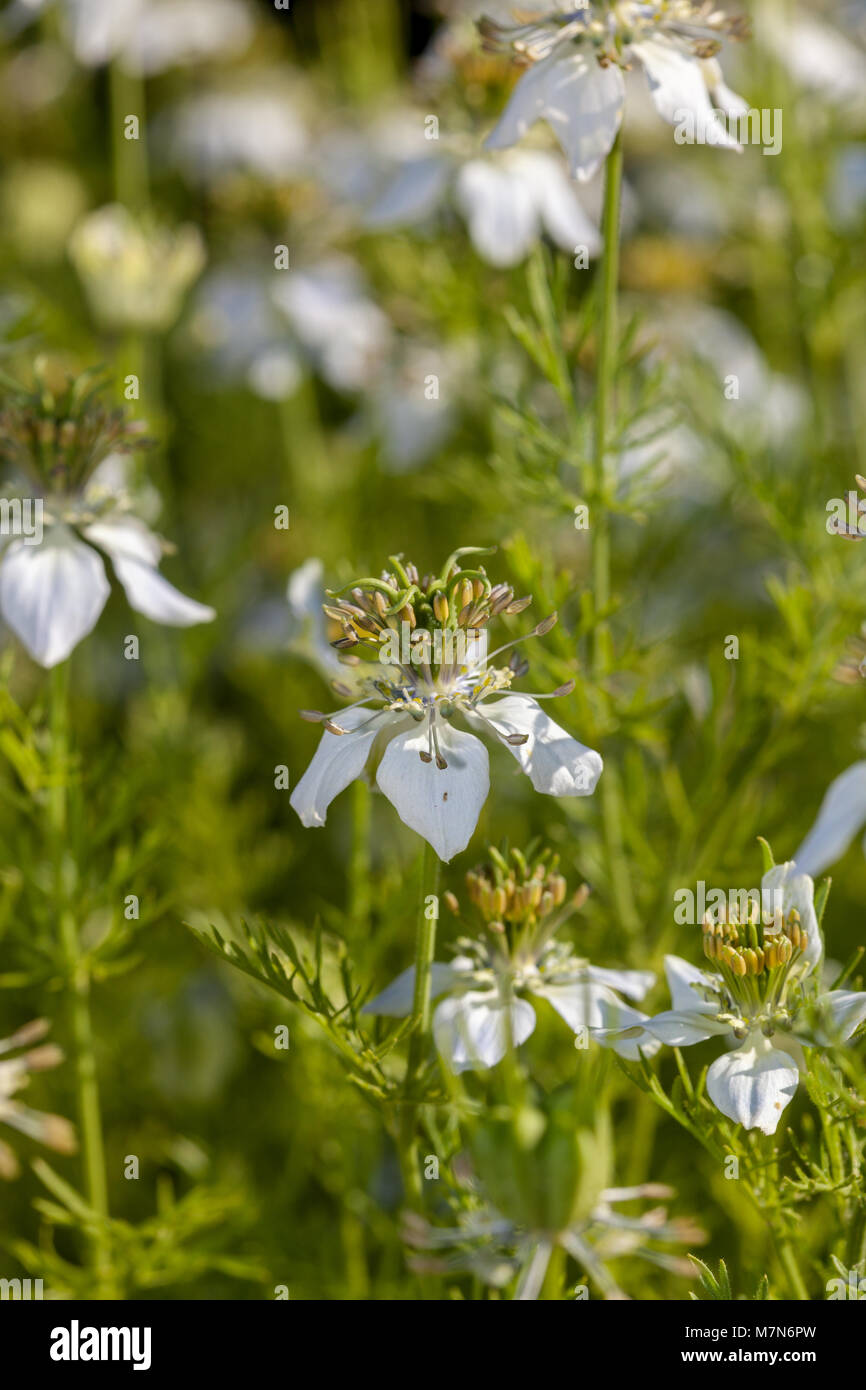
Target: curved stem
[[78, 986], [425, 947]]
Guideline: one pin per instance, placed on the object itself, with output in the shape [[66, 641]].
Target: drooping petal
[[684, 1027], [337, 761], [633, 983], [564, 219], [442, 804], [842, 1011], [733, 105], [471, 1029], [784, 885], [753, 1084], [396, 999], [581, 102], [52, 594], [500, 210], [149, 592], [412, 195], [841, 814], [586, 1004], [679, 91], [554, 761], [125, 535]]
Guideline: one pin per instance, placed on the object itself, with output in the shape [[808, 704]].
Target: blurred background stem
[[128, 156], [78, 986], [611, 801], [425, 948]]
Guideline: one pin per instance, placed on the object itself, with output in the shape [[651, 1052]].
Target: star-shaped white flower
[[435, 774], [765, 999], [507, 200], [52, 593], [575, 81], [482, 993]]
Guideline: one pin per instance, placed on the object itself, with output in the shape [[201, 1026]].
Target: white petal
[[683, 1028], [52, 594], [733, 105], [125, 536], [442, 804], [633, 983], [753, 1084], [678, 89], [554, 761], [396, 1000], [797, 890], [564, 219], [148, 592], [686, 982], [841, 814], [337, 761], [843, 1011], [470, 1029], [581, 102], [412, 195], [500, 210], [585, 1004]]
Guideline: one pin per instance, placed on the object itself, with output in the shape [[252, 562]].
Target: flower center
[[756, 959]]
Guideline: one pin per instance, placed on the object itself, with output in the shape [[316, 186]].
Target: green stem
[[78, 986], [425, 947], [607, 344], [359, 862], [611, 801], [128, 157]]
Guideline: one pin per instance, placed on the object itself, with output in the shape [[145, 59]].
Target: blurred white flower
[[135, 271], [344, 333], [482, 994], [256, 131], [818, 56], [575, 81], [508, 201], [52, 593], [150, 36], [767, 405], [308, 639], [51, 1130], [762, 994], [235, 322]]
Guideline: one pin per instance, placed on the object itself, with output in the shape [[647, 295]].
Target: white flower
[[428, 642], [763, 995], [51, 1130], [575, 79], [136, 272], [482, 994], [338, 325], [150, 36], [53, 587], [236, 323], [508, 201], [252, 131]]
